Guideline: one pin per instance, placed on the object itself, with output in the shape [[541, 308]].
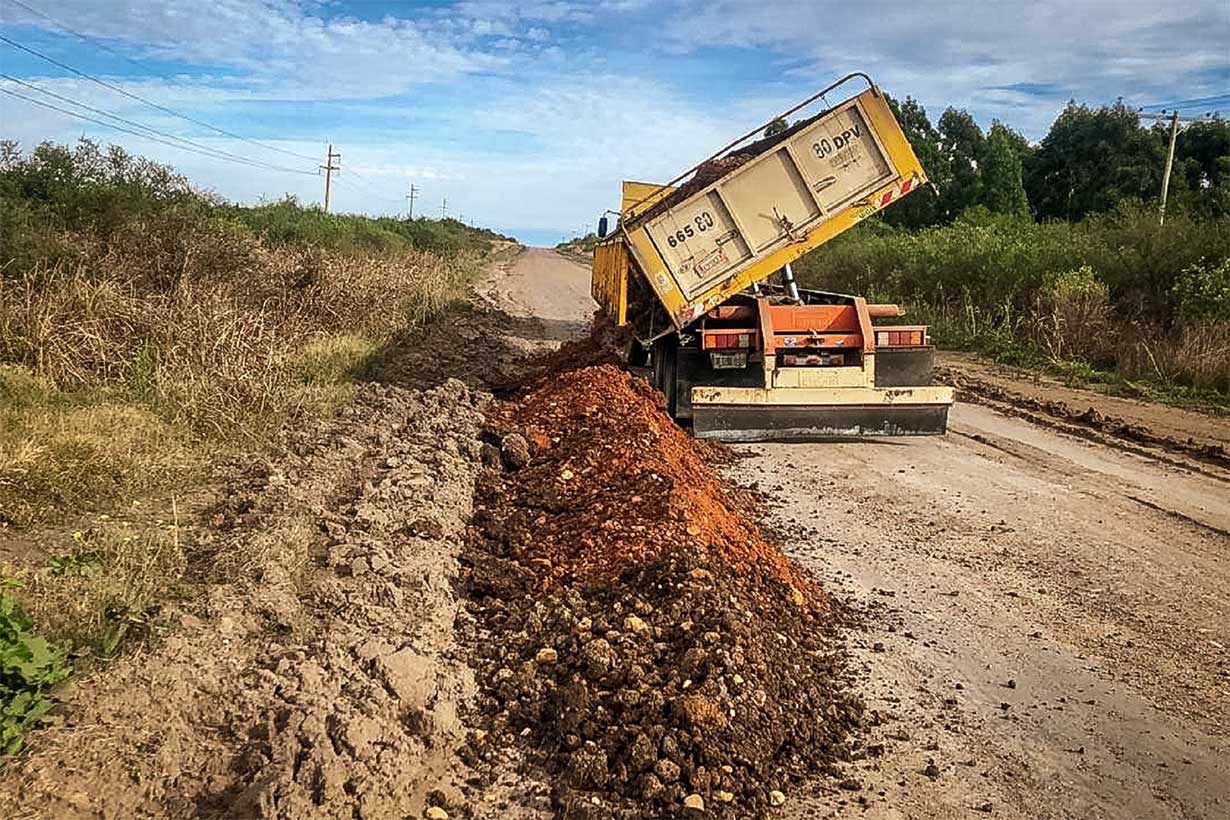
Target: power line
[[384, 196], [348, 182], [120, 128], [367, 193], [141, 99], [1155, 115], [94, 40], [1196, 102], [185, 143]]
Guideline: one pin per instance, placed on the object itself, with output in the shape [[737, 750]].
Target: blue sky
[[526, 115]]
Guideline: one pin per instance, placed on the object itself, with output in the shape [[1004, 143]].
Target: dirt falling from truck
[[638, 636]]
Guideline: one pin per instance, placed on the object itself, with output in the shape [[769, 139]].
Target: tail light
[[726, 341], [901, 337]]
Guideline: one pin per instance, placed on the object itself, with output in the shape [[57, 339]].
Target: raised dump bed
[[742, 216]]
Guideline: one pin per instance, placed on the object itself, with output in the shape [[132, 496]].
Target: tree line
[[1091, 160]]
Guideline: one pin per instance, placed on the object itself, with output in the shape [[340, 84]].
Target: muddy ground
[[1048, 621], [1042, 600]]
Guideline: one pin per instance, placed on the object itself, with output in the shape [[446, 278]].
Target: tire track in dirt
[[1046, 403], [1039, 643]]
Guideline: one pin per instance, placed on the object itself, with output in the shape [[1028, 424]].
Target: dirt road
[[542, 284], [1048, 617], [1048, 630]]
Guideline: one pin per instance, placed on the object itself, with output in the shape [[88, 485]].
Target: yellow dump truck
[[688, 268]]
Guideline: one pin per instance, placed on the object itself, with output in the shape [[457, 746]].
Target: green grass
[[334, 359], [1112, 383], [63, 452]]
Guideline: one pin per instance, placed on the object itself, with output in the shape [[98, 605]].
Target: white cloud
[[530, 113], [959, 54], [278, 43]]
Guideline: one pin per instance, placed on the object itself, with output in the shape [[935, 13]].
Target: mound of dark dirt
[[639, 637]]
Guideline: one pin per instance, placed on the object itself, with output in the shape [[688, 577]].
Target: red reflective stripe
[[887, 198]]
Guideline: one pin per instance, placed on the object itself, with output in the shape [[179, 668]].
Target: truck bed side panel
[[609, 284], [777, 206]]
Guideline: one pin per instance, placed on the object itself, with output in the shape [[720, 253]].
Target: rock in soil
[[693, 665]]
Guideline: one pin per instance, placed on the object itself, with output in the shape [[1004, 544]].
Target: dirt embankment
[[325, 681], [1108, 419], [638, 637]]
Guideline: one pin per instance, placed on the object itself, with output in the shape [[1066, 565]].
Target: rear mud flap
[[771, 423]]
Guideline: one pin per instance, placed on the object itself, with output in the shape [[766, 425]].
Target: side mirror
[[602, 226]]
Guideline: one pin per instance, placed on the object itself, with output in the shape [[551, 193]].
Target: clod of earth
[[693, 667]]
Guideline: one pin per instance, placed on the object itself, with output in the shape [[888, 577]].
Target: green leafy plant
[[77, 562], [1202, 291], [30, 670]]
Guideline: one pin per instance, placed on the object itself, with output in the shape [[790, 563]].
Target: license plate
[[728, 361]]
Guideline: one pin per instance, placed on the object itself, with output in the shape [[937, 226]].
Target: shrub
[[1202, 291], [1114, 290], [1074, 316]]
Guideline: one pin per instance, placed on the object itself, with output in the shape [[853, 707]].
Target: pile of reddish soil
[[638, 635], [613, 482]]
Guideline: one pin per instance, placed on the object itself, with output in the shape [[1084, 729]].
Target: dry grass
[[1196, 356], [58, 456], [104, 584], [120, 382], [217, 354], [119, 376]]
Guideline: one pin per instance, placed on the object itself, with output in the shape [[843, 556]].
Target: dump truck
[[699, 270]]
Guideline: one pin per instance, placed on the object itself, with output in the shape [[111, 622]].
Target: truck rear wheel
[[666, 369]]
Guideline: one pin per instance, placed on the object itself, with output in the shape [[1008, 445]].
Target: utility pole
[[1174, 132], [444, 208], [329, 168], [410, 196]]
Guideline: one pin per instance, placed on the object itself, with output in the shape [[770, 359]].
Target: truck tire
[[638, 355], [665, 370]]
